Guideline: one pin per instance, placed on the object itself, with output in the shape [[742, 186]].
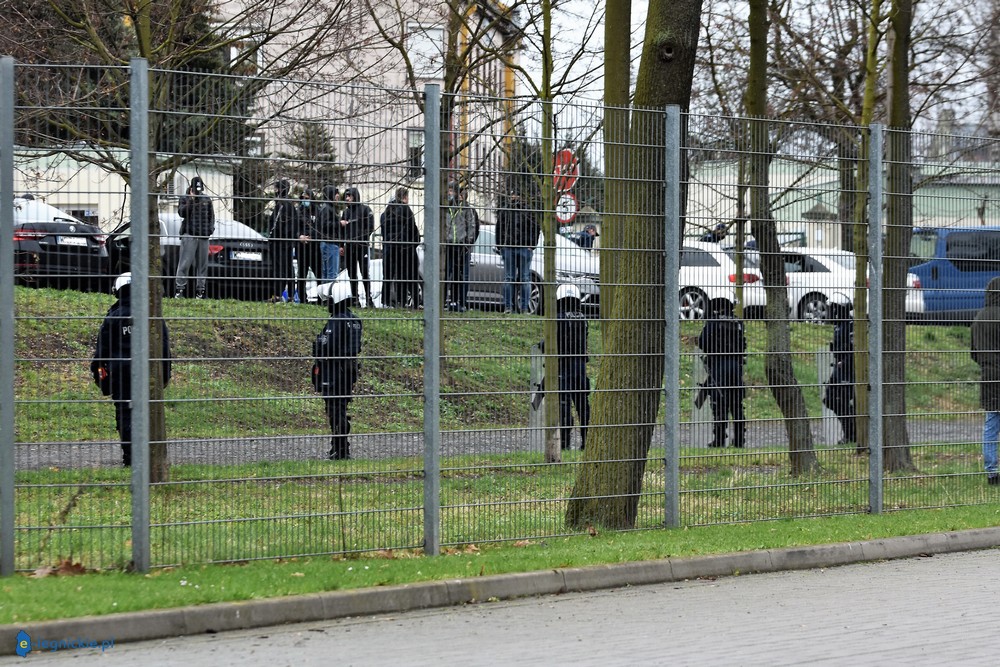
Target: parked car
[[239, 265], [954, 265], [52, 248], [708, 272], [574, 265], [815, 275]]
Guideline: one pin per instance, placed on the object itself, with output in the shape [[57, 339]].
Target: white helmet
[[335, 292], [121, 281], [568, 292], [841, 300]]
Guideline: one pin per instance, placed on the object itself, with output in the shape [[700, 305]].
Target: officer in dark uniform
[[724, 343], [574, 386], [112, 362], [839, 393], [335, 371]]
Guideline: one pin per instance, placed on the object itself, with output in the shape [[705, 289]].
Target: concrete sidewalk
[[225, 616]]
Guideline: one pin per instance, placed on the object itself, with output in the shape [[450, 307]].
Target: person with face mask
[[197, 225], [725, 346], [308, 250], [460, 230], [839, 392]]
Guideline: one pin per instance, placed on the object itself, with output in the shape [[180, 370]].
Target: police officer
[[112, 362], [839, 394], [197, 225], [574, 386], [724, 343], [335, 371]]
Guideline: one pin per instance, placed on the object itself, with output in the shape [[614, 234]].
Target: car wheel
[[812, 308], [535, 304], [694, 304]]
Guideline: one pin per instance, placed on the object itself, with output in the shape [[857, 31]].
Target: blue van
[[954, 265]]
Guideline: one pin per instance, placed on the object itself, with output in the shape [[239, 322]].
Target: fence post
[[672, 330], [432, 320], [139, 259], [7, 317], [875, 314]]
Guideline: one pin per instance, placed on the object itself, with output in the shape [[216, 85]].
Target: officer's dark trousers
[[340, 426], [574, 391], [726, 402], [840, 399], [123, 422]]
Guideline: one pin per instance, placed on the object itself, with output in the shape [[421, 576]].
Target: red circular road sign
[[566, 170], [566, 208]]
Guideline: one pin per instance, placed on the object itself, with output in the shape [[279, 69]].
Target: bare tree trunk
[[778, 364], [630, 378], [899, 216]]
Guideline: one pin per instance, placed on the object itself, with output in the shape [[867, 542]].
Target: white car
[[709, 272], [815, 275]]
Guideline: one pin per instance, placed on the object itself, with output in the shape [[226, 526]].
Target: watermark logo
[[23, 647], [25, 644]]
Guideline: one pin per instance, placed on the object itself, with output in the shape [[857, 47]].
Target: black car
[[239, 265], [54, 249]]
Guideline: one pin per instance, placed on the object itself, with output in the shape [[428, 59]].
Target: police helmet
[[335, 292], [721, 306], [122, 281], [567, 292]]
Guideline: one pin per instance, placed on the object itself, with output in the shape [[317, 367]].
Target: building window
[[415, 153], [425, 47]]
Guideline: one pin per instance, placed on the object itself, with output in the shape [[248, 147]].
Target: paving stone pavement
[[923, 610]]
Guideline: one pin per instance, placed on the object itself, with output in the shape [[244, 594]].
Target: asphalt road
[[922, 611], [375, 446]]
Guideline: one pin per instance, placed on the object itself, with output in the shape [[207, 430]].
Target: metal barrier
[[449, 442]]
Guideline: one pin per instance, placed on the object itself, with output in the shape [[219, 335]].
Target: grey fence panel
[[449, 418]]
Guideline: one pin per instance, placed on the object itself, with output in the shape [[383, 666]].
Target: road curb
[[223, 616]]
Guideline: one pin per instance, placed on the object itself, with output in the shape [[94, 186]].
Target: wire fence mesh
[[553, 307]]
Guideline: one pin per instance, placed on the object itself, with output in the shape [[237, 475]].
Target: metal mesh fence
[[550, 312]]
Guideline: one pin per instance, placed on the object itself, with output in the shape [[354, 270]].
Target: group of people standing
[[320, 234]]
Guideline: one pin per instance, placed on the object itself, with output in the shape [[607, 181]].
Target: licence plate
[[246, 256], [71, 240]]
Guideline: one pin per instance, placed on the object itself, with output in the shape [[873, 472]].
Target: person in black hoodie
[[283, 236], [112, 362], [517, 236], [401, 237], [328, 231], [197, 225], [357, 223], [308, 249], [335, 370]]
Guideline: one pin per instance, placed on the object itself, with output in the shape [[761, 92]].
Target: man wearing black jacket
[[197, 225], [357, 223], [400, 236], [282, 238], [335, 370], [112, 362], [839, 393], [517, 236]]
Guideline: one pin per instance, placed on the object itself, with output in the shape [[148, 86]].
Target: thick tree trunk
[[899, 217], [630, 378], [778, 364]]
